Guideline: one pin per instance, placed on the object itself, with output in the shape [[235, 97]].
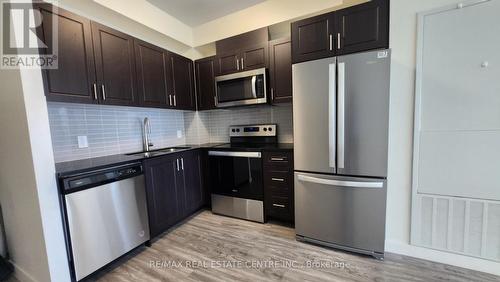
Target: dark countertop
[[78, 166]]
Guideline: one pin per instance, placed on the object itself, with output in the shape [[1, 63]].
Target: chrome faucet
[[146, 131]]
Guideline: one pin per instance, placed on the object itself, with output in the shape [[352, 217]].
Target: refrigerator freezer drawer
[[341, 211]]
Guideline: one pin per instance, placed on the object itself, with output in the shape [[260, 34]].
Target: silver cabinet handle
[[215, 101], [331, 42], [175, 101], [332, 182], [338, 41], [332, 114], [182, 163], [278, 179], [278, 205], [341, 115], [95, 91], [237, 64], [255, 155], [274, 159], [242, 64], [103, 92], [177, 160], [272, 94]]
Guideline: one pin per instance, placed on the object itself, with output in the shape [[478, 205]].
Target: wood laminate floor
[[209, 247]]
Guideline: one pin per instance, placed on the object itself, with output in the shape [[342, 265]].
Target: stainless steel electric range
[[236, 171]]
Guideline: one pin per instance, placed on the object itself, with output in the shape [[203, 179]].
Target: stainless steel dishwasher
[[105, 214]]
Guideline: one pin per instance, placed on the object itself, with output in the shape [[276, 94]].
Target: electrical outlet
[[179, 133], [83, 142]]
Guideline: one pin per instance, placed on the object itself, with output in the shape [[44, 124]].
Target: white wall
[[403, 31], [28, 190]]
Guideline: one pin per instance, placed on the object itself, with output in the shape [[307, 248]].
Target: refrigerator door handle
[[331, 182], [332, 114], [341, 115]]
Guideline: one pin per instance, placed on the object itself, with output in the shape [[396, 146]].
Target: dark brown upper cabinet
[[363, 27], [242, 52], [205, 83], [254, 57], [355, 29], [312, 38], [151, 75], [280, 70], [182, 92], [115, 66], [74, 79]]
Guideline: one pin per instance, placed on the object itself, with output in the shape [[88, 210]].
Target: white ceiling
[[196, 12]]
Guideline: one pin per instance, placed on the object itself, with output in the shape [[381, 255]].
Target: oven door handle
[[255, 155]]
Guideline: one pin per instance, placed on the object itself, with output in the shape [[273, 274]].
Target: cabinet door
[[162, 187], [363, 27], [182, 82], [151, 75], [205, 83], [254, 57], [228, 63], [280, 70], [73, 80], [312, 38], [193, 181], [115, 65]]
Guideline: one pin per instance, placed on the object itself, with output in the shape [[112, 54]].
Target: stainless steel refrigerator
[[341, 120]]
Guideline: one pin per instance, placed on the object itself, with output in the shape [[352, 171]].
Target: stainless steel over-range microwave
[[243, 88]]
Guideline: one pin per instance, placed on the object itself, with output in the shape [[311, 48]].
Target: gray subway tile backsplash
[[117, 130]]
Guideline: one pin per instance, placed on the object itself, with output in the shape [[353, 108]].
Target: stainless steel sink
[[158, 152]]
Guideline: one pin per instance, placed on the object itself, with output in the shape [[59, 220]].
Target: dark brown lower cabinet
[[278, 185], [193, 182], [174, 189]]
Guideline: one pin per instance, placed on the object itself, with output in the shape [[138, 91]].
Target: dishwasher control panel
[[100, 177]]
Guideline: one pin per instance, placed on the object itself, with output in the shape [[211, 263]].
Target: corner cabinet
[[355, 29], [205, 83], [174, 189], [280, 70]]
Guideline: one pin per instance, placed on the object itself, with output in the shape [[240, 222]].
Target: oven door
[[244, 88], [237, 174]]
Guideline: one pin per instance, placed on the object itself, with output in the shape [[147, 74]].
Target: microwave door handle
[[254, 86]]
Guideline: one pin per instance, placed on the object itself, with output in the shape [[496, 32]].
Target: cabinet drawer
[[278, 179], [281, 159], [280, 208]]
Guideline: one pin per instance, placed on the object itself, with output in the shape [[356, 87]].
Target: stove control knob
[[270, 129], [238, 130], [233, 130], [265, 129]]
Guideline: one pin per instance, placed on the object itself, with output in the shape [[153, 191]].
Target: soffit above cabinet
[[197, 12]]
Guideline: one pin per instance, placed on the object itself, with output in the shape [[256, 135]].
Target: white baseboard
[[22, 275], [478, 264]]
